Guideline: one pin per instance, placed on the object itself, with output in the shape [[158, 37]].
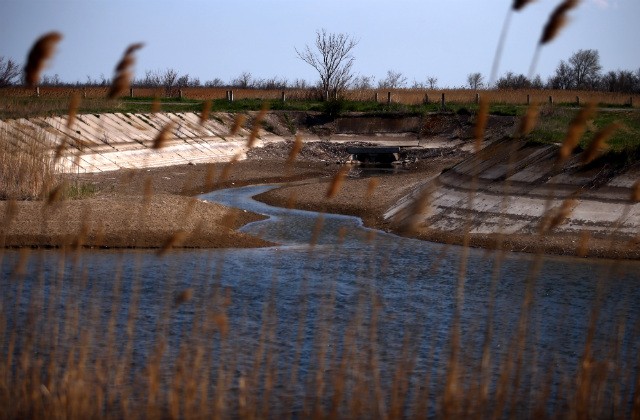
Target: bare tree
[[51, 80], [362, 82], [9, 71], [585, 67], [244, 80], [299, 84], [215, 82], [332, 59], [432, 82], [475, 80], [563, 77], [394, 80]]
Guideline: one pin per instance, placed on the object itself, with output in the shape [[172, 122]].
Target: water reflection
[[354, 295]]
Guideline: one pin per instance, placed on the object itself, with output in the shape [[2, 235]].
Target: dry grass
[[406, 96], [27, 164]]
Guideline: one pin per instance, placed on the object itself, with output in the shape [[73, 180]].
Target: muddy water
[[329, 277]]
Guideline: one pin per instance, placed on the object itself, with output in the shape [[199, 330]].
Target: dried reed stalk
[[176, 239], [481, 123], [528, 121], [575, 132], [317, 229], [183, 297], [635, 192], [74, 104], [557, 216], [123, 74], [55, 194], [209, 176], [206, 108], [226, 169], [336, 182], [371, 187], [60, 149], [237, 123], [411, 217], [292, 199], [557, 21], [598, 143], [221, 322], [163, 136], [295, 149], [255, 129], [583, 244], [156, 105], [39, 54]]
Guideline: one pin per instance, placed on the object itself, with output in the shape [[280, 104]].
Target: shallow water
[[299, 300]]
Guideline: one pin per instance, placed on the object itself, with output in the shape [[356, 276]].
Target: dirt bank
[[152, 208]]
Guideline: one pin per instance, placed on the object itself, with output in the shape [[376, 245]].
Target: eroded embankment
[[517, 195]]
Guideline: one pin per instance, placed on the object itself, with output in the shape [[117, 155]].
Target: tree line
[[332, 57], [582, 71]]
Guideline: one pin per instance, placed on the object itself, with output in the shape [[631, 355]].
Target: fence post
[[38, 91], [230, 96], [528, 100], [84, 92], [131, 92], [180, 93], [426, 99], [578, 100], [284, 96], [477, 98], [388, 97], [376, 97], [550, 100], [442, 102]]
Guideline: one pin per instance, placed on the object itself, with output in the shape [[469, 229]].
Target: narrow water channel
[[350, 288]]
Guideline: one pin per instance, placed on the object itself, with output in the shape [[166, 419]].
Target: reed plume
[[557, 216], [123, 73], [575, 132], [295, 150], [336, 182], [183, 297], [635, 192], [156, 105], [60, 149], [481, 123], [176, 239], [255, 129], [371, 187], [557, 21], [599, 141], [55, 194], [237, 123], [163, 136], [528, 121], [520, 4], [74, 103], [39, 54], [206, 108]]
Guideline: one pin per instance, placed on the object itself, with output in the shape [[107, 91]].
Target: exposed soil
[[156, 208]]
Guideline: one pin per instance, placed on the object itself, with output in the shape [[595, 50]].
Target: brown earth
[[156, 208]]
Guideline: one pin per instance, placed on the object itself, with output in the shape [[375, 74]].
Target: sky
[[208, 39]]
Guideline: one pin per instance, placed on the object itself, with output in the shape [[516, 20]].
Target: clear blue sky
[[447, 39]]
